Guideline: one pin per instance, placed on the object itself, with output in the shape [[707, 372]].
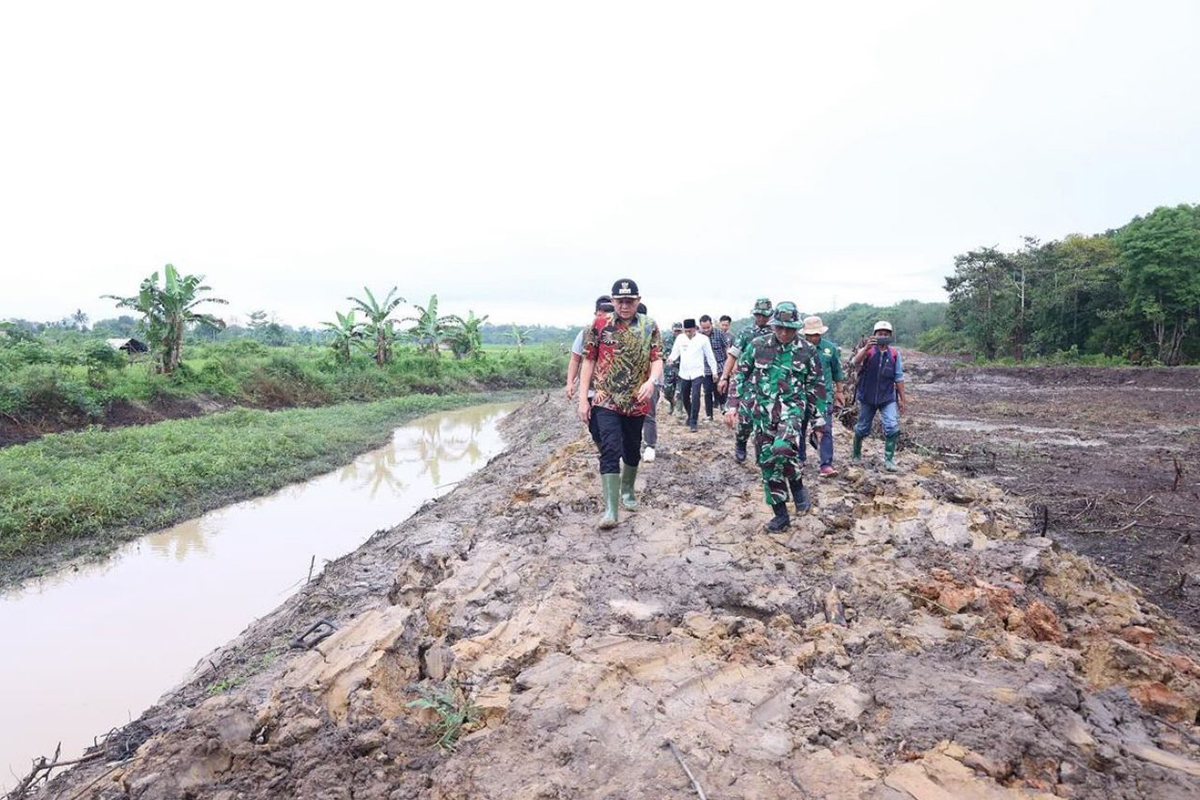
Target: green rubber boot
[[856, 450], [889, 453], [628, 498], [612, 489]]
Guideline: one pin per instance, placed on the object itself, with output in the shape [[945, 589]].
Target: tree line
[[1132, 292]]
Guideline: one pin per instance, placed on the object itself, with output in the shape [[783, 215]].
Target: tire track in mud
[[975, 661]]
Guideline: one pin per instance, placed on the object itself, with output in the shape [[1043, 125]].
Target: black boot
[[803, 504], [781, 519], [739, 451]]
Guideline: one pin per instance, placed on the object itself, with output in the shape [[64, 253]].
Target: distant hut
[[128, 346]]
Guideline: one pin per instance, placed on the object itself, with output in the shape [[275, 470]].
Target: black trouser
[[620, 438], [690, 389], [708, 395]]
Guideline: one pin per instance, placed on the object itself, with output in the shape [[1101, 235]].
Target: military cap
[[625, 287], [786, 316], [762, 306]]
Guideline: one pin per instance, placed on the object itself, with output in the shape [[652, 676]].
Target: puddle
[[90, 648], [1066, 437]]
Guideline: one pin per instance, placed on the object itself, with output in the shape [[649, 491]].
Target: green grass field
[[105, 484]]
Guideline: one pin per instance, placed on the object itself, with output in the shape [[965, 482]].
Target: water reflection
[[113, 636]]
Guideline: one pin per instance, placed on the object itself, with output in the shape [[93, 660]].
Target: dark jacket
[[877, 377]]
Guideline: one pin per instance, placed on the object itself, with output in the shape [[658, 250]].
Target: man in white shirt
[[693, 353]]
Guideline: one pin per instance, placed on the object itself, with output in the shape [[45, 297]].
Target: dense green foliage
[[1132, 293], [168, 310], [917, 323], [73, 378], [95, 482]]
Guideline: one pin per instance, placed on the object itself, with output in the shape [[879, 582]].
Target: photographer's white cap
[[883, 325]]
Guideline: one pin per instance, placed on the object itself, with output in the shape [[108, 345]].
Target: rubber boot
[[739, 451], [889, 453], [628, 497], [612, 490], [800, 494], [856, 449], [781, 519]]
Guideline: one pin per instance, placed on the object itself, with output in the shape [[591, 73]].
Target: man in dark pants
[[720, 348], [694, 355], [603, 306], [622, 357]]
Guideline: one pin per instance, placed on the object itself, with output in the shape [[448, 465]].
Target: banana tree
[[520, 336], [466, 337], [346, 332], [429, 330], [167, 310], [379, 328]]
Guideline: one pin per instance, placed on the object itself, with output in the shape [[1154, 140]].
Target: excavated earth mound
[[904, 640]]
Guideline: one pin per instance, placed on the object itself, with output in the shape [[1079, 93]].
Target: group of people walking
[[777, 382]]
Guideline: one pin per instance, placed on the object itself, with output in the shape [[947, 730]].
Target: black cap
[[689, 323], [642, 308], [603, 300], [625, 288]]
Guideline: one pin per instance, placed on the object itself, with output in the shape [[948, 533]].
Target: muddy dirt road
[[906, 640], [1097, 447]]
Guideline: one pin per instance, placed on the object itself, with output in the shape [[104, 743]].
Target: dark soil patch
[[1096, 447]]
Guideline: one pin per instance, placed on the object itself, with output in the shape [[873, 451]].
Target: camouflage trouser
[[743, 429], [778, 455]]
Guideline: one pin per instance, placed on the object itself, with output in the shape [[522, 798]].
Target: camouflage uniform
[[740, 344], [670, 371], [780, 390]]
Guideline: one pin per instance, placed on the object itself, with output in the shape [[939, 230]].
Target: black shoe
[[803, 504], [781, 519], [739, 452]]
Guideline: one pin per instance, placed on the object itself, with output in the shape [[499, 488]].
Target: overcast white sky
[[517, 158]]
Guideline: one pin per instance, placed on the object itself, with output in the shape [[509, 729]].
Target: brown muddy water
[[89, 648]]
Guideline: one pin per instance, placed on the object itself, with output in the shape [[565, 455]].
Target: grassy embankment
[[77, 492], [58, 385]]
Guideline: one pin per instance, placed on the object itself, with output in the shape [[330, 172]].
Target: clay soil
[[912, 637], [1097, 448], [117, 413]]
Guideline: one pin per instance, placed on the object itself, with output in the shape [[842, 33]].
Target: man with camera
[[880, 390]]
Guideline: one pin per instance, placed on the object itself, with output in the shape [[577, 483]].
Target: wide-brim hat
[[625, 287], [762, 307], [883, 325], [814, 325], [786, 316]]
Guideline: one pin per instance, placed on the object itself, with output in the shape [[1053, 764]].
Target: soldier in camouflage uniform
[[671, 371], [762, 313], [779, 384]]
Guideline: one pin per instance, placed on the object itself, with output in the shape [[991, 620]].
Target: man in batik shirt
[[622, 360]]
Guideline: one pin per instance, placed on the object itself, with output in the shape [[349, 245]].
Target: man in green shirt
[[835, 381]]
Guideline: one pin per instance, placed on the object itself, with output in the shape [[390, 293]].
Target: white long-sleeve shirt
[[692, 354]]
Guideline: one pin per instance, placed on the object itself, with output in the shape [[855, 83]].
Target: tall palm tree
[[466, 337], [429, 330], [380, 328], [167, 310], [345, 332], [520, 336]]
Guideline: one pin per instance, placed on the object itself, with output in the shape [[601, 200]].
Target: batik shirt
[[623, 352]]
